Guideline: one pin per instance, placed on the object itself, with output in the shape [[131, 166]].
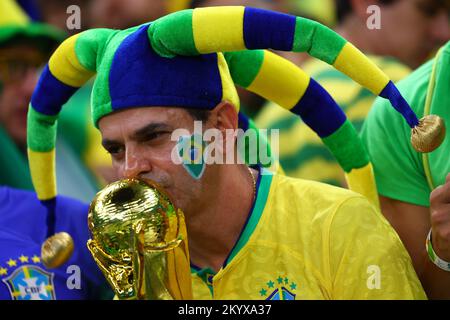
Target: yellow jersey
[[308, 240]]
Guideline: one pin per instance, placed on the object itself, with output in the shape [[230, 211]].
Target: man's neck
[[214, 229]]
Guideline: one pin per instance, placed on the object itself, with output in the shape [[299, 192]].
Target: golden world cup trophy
[[139, 241]]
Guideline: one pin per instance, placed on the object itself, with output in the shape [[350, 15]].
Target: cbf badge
[[30, 282]]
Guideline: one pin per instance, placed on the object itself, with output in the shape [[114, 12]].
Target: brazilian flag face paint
[[191, 151]]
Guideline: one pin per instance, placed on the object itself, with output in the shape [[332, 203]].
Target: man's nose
[[441, 28], [135, 164]]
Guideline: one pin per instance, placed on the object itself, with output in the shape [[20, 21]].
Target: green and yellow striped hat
[[177, 61]]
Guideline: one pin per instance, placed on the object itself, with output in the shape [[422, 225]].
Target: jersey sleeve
[[367, 258], [399, 169]]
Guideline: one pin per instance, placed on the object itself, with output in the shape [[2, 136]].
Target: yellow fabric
[[200, 289], [207, 23], [229, 92], [320, 170], [178, 266], [42, 169], [186, 281], [301, 152], [280, 81], [12, 14], [353, 63], [321, 241], [64, 64], [362, 180], [95, 156]]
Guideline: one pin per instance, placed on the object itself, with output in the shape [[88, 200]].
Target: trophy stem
[[155, 278]]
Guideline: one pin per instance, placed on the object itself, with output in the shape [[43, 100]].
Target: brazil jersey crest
[[279, 289], [30, 282]]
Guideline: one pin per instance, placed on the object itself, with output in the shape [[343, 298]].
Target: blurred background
[[411, 30]]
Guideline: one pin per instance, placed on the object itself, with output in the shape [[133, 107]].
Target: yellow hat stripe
[[229, 92], [209, 24], [362, 180], [42, 169], [280, 81], [65, 65], [12, 14], [357, 66]]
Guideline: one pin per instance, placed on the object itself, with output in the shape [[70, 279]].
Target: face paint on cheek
[[191, 151]]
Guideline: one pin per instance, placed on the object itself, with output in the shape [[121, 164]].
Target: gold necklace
[[254, 182]]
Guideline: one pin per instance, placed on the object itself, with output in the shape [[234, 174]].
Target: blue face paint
[[191, 151]]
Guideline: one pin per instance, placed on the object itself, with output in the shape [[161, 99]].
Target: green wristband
[[442, 264]]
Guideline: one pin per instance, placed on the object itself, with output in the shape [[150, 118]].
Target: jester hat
[[177, 61]]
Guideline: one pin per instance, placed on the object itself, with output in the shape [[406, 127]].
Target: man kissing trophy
[[139, 241]]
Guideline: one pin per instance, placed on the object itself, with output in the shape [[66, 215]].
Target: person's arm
[[412, 224], [404, 191], [367, 258]]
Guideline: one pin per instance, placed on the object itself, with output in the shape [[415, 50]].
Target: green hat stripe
[[318, 40], [89, 47], [44, 131], [347, 147], [102, 99], [181, 37], [244, 69]]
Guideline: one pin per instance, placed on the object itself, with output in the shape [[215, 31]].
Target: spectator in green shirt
[[414, 188]]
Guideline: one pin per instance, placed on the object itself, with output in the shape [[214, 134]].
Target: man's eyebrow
[[149, 129]]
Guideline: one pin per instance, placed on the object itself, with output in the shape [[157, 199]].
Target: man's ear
[[224, 116]]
